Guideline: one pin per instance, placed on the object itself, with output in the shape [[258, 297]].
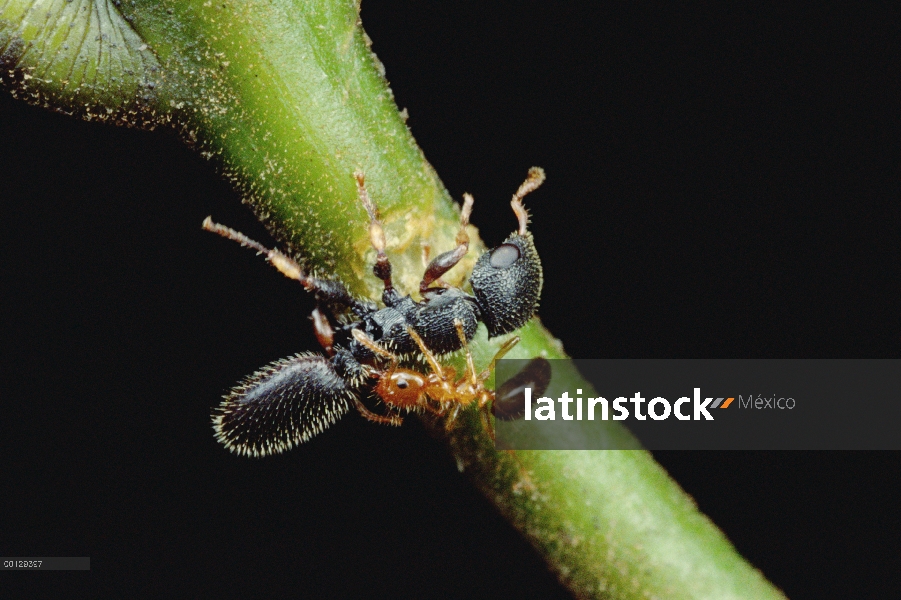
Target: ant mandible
[[291, 400]]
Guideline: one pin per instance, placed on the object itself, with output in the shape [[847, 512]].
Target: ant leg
[[532, 183], [391, 419], [325, 335], [452, 414], [445, 261], [450, 417], [444, 375], [507, 346], [470, 364], [360, 336], [484, 402], [332, 292], [433, 362], [394, 420], [382, 266]]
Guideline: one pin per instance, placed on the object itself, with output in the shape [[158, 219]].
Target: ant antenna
[[470, 365], [367, 341], [433, 362], [382, 267], [533, 182], [502, 351], [285, 264]]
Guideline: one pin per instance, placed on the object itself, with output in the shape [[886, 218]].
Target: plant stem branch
[[286, 99]]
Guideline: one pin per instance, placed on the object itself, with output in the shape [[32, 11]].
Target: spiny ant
[[291, 400]]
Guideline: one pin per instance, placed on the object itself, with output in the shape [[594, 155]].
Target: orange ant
[[407, 389]]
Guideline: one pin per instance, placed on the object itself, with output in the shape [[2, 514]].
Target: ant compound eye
[[507, 282], [510, 399], [401, 389], [504, 256]]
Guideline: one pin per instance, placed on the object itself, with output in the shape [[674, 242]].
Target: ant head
[[507, 280], [402, 388]]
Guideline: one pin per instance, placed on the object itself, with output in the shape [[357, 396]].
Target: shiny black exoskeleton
[[293, 399]]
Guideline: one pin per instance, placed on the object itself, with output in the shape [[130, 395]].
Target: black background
[[722, 183]]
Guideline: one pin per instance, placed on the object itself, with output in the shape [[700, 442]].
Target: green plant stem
[[286, 99]]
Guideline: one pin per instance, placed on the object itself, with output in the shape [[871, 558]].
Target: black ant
[[293, 399]]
